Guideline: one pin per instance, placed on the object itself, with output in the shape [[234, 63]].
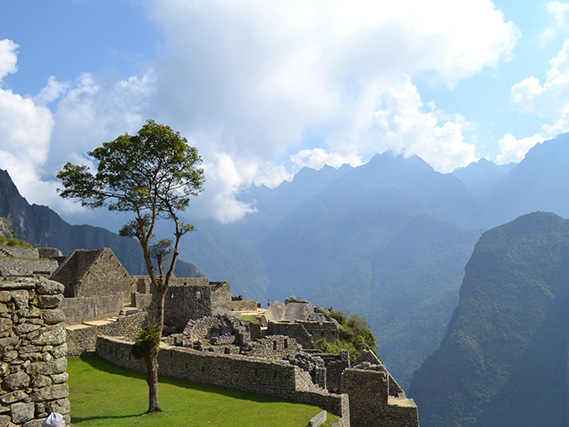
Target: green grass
[[103, 394], [252, 318]]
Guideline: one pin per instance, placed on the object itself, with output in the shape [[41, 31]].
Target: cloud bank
[[264, 88]]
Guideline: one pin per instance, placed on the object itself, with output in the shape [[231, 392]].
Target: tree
[[151, 174]]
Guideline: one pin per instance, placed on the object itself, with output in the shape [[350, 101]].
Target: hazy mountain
[[503, 360], [41, 226], [480, 176], [539, 182], [273, 204], [223, 254], [373, 242]]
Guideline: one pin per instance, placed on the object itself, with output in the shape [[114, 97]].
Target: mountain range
[[388, 240]]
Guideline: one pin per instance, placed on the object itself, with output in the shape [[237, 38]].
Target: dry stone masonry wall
[[32, 352], [82, 309], [83, 338], [260, 376]]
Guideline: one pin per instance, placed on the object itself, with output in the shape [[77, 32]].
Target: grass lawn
[[103, 394]]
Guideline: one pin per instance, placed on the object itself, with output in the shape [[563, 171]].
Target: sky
[[263, 88]]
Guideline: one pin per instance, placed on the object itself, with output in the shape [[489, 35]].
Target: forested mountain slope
[[503, 360]]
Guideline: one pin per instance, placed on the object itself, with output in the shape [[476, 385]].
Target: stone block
[[63, 406], [15, 396], [17, 381], [25, 328], [49, 301], [50, 335], [41, 381], [21, 298], [52, 317], [5, 420], [22, 412], [10, 356], [58, 366], [5, 324], [59, 351], [5, 296], [49, 287], [38, 368], [60, 378], [29, 312], [318, 419], [52, 392]]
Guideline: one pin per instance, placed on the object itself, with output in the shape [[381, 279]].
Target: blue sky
[[264, 88]]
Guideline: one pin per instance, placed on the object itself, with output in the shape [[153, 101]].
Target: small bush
[[355, 335]]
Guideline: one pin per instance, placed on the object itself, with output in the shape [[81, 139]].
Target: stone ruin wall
[[260, 376], [106, 276], [318, 330], [140, 300], [370, 402], [13, 251], [83, 309], [185, 302], [83, 338], [79, 260], [33, 352], [220, 293], [245, 305], [307, 333], [27, 267], [274, 347]]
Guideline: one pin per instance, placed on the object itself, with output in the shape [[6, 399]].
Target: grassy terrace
[[102, 394]]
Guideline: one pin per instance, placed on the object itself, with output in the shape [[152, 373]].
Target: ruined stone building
[[98, 272]]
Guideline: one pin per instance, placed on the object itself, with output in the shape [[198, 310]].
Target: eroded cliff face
[[503, 360]]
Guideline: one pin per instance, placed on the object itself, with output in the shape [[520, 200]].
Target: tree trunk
[[152, 360], [161, 300], [152, 380]]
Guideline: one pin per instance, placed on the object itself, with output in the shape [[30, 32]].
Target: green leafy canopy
[[152, 170]]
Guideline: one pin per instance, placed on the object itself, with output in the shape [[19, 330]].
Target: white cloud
[[225, 177], [514, 150], [558, 11], [394, 118], [25, 125], [272, 175], [318, 157], [8, 58], [547, 100], [253, 80]]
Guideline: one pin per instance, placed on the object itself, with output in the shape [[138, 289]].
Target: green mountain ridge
[[503, 359]]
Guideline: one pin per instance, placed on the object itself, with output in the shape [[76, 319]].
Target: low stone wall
[[83, 338], [294, 330], [266, 377], [318, 330], [217, 326], [33, 348], [83, 309], [244, 305], [140, 300], [20, 252], [274, 347], [24, 267]]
